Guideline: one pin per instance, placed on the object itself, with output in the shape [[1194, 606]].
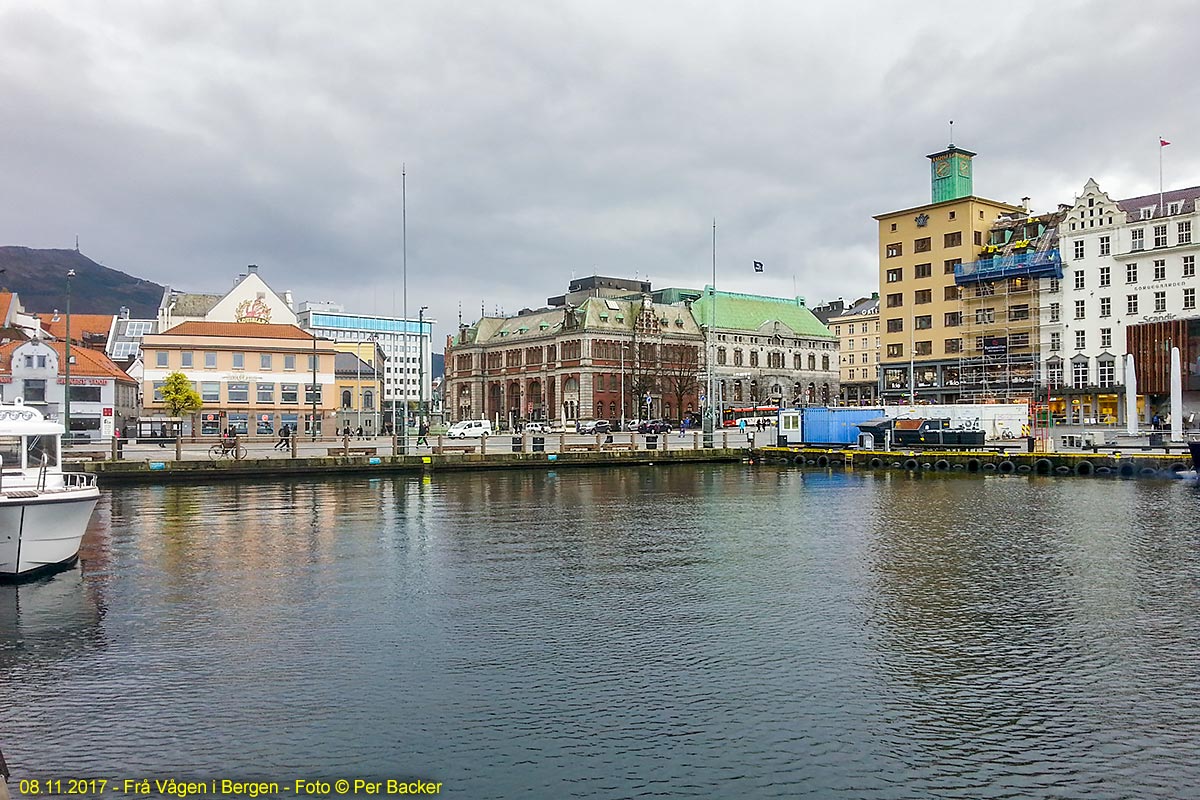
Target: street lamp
[[421, 365], [313, 421], [67, 385]]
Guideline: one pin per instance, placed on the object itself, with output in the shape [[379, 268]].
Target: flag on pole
[[1162, 142], [758, 266]]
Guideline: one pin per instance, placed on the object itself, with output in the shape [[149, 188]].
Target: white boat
[[43, 510]]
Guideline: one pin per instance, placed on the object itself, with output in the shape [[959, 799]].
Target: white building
[[250, 300], [405, 345], [1125, 262]]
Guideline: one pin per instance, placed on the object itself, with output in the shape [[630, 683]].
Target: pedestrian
[[162, 435], [359, 432], [283, 439], [422, 434]]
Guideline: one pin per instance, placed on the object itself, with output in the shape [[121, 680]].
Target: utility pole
[[421, 365], [67, 385]]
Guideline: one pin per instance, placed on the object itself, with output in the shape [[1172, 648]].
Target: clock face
[[964, 168], [942, 168]]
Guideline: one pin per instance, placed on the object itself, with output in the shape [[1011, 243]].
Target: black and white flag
[[758, 266]]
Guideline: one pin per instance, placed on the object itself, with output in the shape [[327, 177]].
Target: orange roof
[[56, 325], [5, 301], [239, 330], [88, 363]]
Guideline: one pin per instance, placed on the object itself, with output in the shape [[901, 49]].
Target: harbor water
[[686, 631]]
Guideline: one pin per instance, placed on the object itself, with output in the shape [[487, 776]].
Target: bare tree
[[680, 372]]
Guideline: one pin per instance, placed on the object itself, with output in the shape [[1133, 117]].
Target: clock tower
[[950, 174]]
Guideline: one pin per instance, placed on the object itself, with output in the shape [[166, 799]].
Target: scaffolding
[[999, 356]]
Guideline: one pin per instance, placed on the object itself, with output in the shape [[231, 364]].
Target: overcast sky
[[544, 140]]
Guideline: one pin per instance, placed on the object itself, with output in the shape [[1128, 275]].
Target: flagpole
[[1162, 212]]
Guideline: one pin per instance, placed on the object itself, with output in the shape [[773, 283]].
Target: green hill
[[39, 277]]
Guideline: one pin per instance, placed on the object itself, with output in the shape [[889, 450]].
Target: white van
[[470, 427]]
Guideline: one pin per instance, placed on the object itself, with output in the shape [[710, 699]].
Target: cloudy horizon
[[183, 141]]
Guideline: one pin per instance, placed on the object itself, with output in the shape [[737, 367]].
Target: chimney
[[1025, 203], [252, 268], [124, 312]]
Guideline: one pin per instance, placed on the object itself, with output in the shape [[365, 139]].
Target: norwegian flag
[[1162, 142]]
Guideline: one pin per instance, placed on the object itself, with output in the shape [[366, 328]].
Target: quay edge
[[1126, 465], [109, 473]]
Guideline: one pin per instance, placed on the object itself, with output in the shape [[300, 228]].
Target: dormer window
[[604, 317], [1148, 212]]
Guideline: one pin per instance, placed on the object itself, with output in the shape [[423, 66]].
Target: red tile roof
[[88, 363], [6, 299], [56, 325], [239, 330]]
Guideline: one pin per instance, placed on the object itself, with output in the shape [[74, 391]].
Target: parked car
[[470, 427], [538, 427], [596, 426], [654, 426]]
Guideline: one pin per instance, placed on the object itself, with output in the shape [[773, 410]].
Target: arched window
[[737, 390], [721, 355], [825, 363], [369, 400], [797, 362], [599, 410], [812, 361], [737, 358], [612, 410], [346, 398]]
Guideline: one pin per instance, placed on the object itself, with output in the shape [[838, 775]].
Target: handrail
[[41, 481]]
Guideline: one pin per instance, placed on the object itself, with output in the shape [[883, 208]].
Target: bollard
[[483, 445], [345, 444], [295, 442], [179, 448], [725, 439], [116, 451]]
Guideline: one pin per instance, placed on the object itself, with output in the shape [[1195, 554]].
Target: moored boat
[[43, 510], [1195, 448]]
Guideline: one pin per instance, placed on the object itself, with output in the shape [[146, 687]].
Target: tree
[[179, 396], [680, 372]]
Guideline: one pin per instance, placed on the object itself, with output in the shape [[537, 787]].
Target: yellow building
[[253, 377], [920, 310], [359, 373], [857, 329]]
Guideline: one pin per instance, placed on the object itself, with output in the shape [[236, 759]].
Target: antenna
[[460, 313], [952, 133], [77, 243]]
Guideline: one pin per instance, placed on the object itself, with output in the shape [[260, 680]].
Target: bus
[[752, 414]]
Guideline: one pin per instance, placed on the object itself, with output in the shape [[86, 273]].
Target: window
[[953, 239], [35, 390], [1105, 275], [1079, 308], [347, 399], [754, 358], [312, 363], [895, 350], [1160, 302], [721, 356], [1131, 304], [952, 293], [1054, 373], [158, 389], [239, 360], [1160, 270], [850, 358], [238, 392], [895, 249], [895, 275], [210, 391], [1079, 279], [1107, 373], [812, 361], [923, 348], [979, 234], [952, 319], [1105, 246], [1079, 373], [1053, 285], [1131, 273], [923, 270], [923, 323], [1189, 298], [1055, 310], [953, 345], [797, 361], [895, 300], [1189, 266], [186, 357], [1018, 341], [950, 264], [1018, 313], [1080, 340], [895, 325], [1105, 306], [266, 392], [737, 358], [1146, 213], [893, 226], [1055, 341], [289, 364], [985, 316], [1105, 338], [85, 394], [951, 215], [922, 245], [1185, 232], [312, 394], [1137, 239], [289, 392], [922, 297], [1160, 235], [264, 360], [1078, 249], [825, 363]]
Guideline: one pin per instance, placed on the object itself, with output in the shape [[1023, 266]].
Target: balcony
[[1030, 264]]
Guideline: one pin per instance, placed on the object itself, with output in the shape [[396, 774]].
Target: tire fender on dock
[[1084, 468]]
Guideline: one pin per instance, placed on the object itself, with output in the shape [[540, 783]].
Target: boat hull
[[42, 533], [1194, 447]]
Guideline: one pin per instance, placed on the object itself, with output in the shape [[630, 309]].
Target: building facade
[[103, 398], [857, 329], [920, 249], [359, 386], [602, 359], [1126, 263], [254, 378], [768, 350]]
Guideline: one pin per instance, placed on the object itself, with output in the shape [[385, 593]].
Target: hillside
[[39, 277]]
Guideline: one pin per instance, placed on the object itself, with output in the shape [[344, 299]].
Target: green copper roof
[[752, 312]]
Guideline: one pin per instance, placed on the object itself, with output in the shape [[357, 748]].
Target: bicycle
[[227, 448]]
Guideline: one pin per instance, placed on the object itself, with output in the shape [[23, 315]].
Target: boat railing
[[78, 480], [41, 481]]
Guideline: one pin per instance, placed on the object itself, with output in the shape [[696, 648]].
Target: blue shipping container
[[836, 425]]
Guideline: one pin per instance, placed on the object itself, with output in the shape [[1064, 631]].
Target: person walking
[[283, 439], [423, 434], [162, 435]]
